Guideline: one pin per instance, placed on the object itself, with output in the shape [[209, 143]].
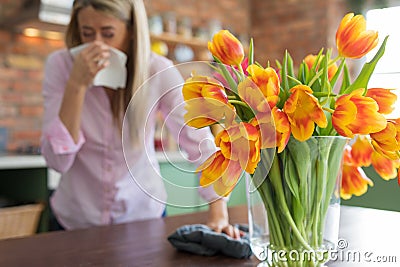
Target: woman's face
[[94, 25]]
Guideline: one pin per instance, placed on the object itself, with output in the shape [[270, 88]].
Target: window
[[387, 72]]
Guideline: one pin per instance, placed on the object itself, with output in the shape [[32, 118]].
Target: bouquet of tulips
[[290, 128], [263, 107]]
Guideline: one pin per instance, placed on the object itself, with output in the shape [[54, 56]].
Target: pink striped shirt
[[96, 185]]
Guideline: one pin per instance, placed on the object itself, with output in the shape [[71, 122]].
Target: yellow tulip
[[267, 81], [220, 172], [357, 114], [205, 101], [274, 128], [303, 110], [241, 142], [387, 141], [227, 48], [251, 94]]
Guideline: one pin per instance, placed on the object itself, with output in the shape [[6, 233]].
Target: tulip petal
[[385, 167], [384, 97], [361, 151], [303, 110]]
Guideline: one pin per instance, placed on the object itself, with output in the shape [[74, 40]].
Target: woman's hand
[[89, 62], [86, 65], [218, 219]]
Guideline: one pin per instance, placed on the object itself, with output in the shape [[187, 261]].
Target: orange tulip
[[352, 38], [354, 180], [357, 114], [310, 60], [384, 97], [205, 101], [275, 130], [220, 172], [361, 151], [385, 167], [227, 48], [241, 142], [303, 110], [267, 80], [282, 126], [387, 141]]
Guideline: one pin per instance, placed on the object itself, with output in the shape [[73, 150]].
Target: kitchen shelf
[[174, 39], [199, 46]]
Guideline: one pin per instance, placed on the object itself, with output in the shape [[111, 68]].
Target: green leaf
[[302, 166], [316, 85], [327, 130], [285, 82], [337, 74], [231, 82], [324, 77], [251, 52], [290, 175], [239, 75], [290, 71], [346, 80], [278, 64], [303, 74], [294, 81], [367, 70], [284, 92]]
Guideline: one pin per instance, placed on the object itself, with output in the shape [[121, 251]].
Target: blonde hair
[[133, 13]]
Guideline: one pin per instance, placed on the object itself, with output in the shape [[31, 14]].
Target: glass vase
[[294, 202]]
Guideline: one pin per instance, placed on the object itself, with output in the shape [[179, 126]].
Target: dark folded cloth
[[202, 240]]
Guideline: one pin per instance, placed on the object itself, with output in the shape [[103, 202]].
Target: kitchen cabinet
[[23, 179], [178, 175]]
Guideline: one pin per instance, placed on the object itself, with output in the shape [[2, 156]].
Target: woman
[[83, 123]]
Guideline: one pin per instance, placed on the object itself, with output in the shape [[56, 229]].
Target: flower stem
[[328, 109], [276, 180], [259, 179]]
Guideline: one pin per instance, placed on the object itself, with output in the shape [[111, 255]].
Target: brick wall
[[301, 26], [21, 72]]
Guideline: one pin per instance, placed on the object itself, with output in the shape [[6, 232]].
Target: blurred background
[[180, 29]]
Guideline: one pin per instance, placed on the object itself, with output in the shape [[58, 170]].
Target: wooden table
[[144, 243]]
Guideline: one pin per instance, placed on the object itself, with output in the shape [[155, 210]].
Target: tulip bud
[[227, 48]]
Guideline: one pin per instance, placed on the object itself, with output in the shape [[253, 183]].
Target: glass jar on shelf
[[170, 25], [185, 27]]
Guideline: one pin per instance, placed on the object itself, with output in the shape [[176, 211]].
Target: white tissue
[[115, 74]]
